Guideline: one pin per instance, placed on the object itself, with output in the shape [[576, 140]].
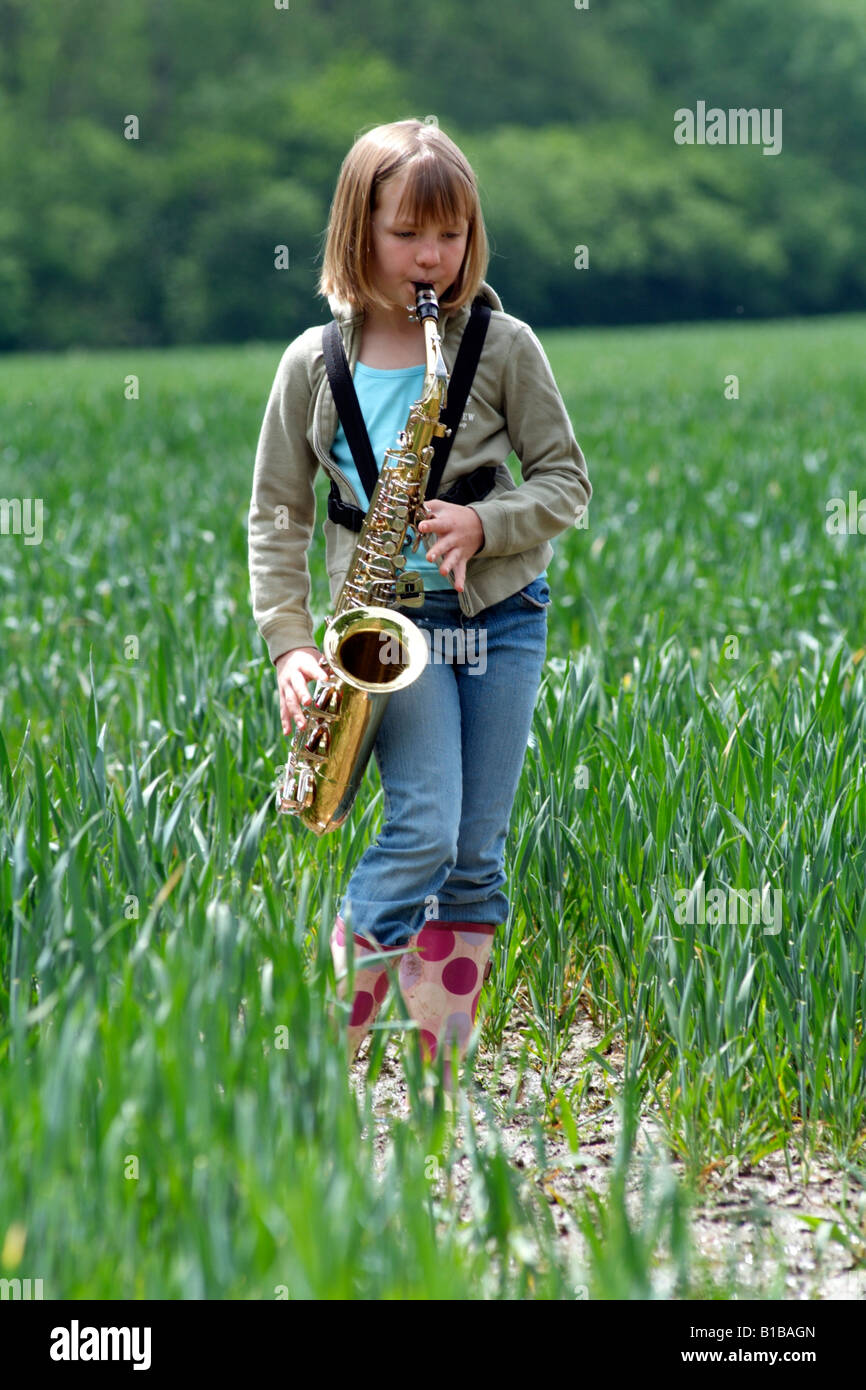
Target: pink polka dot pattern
[[460, 976], [447, 967], [370, 981], [435, 944], [457, 1026], [410, 970], [361, 1008]]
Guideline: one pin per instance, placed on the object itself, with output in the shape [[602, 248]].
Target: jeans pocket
[[535, 595]]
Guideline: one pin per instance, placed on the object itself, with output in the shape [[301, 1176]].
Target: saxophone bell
[[369, 653]]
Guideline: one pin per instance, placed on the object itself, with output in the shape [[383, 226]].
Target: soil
[[746, 1224]]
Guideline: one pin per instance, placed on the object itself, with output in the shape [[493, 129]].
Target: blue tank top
[[385, 395]]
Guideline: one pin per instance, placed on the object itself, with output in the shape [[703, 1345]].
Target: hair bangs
[[435, 189]]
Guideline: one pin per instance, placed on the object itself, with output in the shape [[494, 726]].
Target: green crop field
[[687, 855]]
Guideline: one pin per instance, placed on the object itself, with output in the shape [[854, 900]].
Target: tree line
[[155, 157]]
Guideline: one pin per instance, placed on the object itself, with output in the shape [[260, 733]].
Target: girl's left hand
[[459, 534]]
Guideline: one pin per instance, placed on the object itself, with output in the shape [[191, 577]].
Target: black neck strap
[[459, 386], [349, 410]]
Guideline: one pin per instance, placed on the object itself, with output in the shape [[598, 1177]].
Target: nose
[[428, 252]]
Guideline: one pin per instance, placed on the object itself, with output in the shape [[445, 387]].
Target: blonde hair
[[440, 184]]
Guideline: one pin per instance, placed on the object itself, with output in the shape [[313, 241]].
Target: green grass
[[175, 1119]]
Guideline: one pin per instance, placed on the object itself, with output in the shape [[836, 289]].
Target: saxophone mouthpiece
[[426, 304]]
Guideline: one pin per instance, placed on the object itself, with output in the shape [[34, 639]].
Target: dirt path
[[745, 1225]]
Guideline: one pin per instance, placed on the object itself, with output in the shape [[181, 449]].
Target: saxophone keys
[[306, 789], [284, 802], [327, 702], [289, 800], [318, 742], [410, 589]]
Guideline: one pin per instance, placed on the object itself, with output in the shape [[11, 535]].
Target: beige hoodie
[[514, 404]]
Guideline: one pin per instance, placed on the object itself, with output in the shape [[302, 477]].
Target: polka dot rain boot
[[371, 983], [441, 984]]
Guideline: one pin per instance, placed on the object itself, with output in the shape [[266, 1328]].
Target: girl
[[450, 746]]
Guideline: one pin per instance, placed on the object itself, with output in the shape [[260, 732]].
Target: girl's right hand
[[294, 669]]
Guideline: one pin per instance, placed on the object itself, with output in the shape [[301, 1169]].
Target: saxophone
[[370, 651]]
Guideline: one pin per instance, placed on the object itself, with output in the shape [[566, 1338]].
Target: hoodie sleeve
[[282, 511], [555, 481]]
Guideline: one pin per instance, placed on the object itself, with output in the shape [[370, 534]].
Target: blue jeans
[[450, 751]]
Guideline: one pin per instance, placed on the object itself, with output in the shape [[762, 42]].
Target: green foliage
[[164, 971], [567, 115]]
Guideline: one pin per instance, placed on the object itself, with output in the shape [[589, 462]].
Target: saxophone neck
[[426, 309], [436, 375]]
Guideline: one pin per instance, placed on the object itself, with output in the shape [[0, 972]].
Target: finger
[[299, 685], [449, 559], [293, 707], [295, 691], [290, 713], [298, 717]]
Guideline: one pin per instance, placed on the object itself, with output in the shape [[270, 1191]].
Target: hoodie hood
[[345, 313]]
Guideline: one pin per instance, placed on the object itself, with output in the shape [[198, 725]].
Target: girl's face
[[402, 253]]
